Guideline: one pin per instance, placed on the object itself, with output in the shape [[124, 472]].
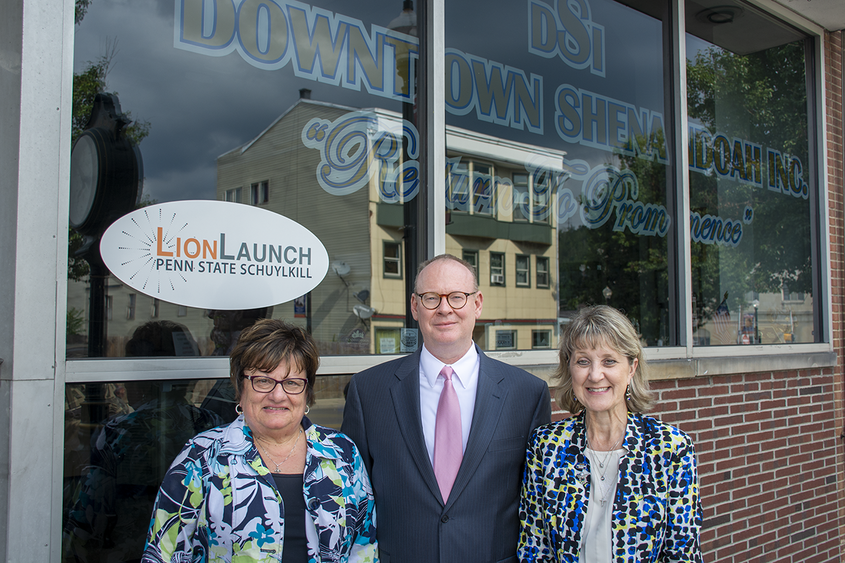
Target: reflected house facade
[[500, 220], [765, 318], [209, 332], [126, 310]]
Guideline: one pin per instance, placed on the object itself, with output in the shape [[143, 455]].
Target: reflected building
[[126, 310], [755, 318], [500, 218]]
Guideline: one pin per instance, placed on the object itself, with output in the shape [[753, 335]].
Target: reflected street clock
[[105, 169]]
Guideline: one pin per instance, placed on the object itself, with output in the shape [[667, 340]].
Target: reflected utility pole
[[413, 213]]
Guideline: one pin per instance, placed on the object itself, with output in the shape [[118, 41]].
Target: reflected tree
[[762, 98], [618, 267], [81, 9]]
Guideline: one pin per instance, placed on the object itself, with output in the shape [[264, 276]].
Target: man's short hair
[[452, 257]]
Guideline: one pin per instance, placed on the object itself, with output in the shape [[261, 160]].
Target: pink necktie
[[448, 443]]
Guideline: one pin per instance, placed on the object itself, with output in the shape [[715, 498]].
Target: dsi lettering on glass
[[566, 31]]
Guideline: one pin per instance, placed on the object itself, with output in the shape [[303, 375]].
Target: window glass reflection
[[564, 106], [750, 177], [121, 437], [244, 113]]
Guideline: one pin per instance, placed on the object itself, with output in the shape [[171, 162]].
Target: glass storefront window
[[306, 110], [559, 158], [751, 177], [566, 104], [121, 437], [558, 149]]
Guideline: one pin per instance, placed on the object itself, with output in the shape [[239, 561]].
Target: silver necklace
[[603, 491], [603, 462], [602, 469], [270, 457]]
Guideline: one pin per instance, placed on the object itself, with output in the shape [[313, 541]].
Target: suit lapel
[[489, 399], [406, 402]]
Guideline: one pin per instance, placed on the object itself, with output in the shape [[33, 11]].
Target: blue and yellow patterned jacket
[[656, 509], [218, 502]]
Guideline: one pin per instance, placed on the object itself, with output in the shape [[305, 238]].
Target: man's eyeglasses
[[264, 384], [456, 299]]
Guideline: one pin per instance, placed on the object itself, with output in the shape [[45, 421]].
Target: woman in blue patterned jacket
[[608, 484], [271, 486]]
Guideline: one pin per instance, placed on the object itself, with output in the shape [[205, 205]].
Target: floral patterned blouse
[[219, 503], [656, 508]]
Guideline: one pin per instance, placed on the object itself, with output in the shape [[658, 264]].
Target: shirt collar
[[463, 368]]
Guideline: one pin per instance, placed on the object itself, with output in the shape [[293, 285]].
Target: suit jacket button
[[313, 504], [444, 519]]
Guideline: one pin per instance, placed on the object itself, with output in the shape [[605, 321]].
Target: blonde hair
[[592, 327]]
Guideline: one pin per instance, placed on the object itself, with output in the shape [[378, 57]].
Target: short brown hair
[[268, 343], [594, 326]]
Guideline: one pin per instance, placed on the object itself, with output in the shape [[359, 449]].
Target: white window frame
[[471, 257], [498, 274], [391, 259], [547, 272], [535, 333], [518, 217], [259, 192], [526, 271], [232, 195], [514, 334], [132, 307]]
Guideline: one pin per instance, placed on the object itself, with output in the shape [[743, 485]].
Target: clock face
[[84, 176]]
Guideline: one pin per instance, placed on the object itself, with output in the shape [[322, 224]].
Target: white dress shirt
[[465, 382]]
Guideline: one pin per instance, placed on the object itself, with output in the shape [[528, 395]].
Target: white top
[[596, 540], [465, 382]]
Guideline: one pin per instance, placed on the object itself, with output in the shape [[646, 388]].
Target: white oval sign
[[214, 255]]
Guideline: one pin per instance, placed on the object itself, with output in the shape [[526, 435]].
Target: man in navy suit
[[392, 415]]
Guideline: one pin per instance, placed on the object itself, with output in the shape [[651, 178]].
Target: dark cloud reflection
[[200, 107]]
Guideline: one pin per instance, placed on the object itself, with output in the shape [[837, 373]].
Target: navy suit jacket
[[480, 521]]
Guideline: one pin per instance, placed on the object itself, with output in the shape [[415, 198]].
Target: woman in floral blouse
[[608, 484], [271, 486]]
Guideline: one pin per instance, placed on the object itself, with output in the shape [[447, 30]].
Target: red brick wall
[[834, 44], [769, 453], [770, 446]]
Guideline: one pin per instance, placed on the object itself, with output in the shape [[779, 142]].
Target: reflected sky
[[200, 107], [633, 58]]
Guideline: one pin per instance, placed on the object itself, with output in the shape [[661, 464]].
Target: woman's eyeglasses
[[264, 384]]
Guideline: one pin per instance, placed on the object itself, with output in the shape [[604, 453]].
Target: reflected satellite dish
[[363, 312], [340, 268]]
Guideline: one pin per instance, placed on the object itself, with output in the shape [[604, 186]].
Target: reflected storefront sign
[[566, 78]]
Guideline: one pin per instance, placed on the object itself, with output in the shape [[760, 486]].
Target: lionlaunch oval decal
[[214, 255]]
